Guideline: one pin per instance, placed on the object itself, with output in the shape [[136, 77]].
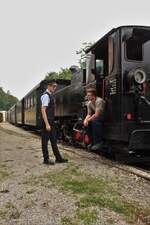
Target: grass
[[71, 179], [3, 214], [3, 174], [111, 221], [66, 221], [29, 203], [90, 193], [30, 191], [118, 205], [9, 205], [3, 166], [19, 147], [87, 217], [11, 212], [95, 192], [32, 180], [4, 191], [15, 214]]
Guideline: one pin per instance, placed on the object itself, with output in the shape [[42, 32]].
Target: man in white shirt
[[48, 126]]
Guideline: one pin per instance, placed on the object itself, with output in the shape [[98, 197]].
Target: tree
[[6, 100], [51, 75], [62, 74], [8, 92]]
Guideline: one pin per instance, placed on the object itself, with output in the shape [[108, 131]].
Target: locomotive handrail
[[79, 122], [142, 97]]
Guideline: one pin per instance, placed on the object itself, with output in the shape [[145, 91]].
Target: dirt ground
[[81, 192]]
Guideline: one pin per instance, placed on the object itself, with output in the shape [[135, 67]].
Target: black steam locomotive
[[118, 66]]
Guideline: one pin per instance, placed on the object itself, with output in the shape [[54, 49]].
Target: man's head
[[51, 85], [91, 94]]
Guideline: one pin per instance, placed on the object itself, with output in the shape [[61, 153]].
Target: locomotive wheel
[[65, 134]]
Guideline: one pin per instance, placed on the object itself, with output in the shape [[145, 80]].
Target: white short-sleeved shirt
[[45, 100]]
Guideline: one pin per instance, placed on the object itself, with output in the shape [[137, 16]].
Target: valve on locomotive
[[135, 80]]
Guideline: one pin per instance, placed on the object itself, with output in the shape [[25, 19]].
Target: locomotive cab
[[135, 45], [122, 73]]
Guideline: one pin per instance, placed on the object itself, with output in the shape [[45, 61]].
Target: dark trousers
[[46, 136], [95, 130]]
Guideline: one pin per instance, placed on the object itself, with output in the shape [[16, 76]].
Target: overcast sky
[[39, 36]]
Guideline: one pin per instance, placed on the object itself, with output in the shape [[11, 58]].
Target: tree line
[[6, 100], [62, 74]]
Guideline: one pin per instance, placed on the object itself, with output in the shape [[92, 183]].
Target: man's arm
[[44, 116], [45, 101], [100, 105], [95, 115], [86, 120]]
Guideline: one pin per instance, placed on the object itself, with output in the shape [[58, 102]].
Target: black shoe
[[97, 146], [48, 162], [61, 160]]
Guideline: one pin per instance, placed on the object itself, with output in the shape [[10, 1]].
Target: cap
[[51, 82]]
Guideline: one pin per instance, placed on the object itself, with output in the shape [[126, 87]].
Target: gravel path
[[34, 194]]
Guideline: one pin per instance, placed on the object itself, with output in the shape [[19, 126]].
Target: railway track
[[140, 170]]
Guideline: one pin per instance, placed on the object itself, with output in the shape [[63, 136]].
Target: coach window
[[28, 103], [31, 100], [34, 99]]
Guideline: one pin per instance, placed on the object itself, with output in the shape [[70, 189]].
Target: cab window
[[134, 50]]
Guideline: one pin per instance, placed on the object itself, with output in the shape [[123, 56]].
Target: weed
[[87, 217], [30, 191], [3, 174], [29, 203], [3, 214], [66, 221], [4, 191]]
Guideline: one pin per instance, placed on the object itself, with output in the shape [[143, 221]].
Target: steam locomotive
[[118, 66]]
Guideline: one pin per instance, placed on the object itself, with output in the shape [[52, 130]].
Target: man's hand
[[85, 122], [48, 127]]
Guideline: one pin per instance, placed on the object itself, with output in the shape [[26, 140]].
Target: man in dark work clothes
[[48, 126]]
